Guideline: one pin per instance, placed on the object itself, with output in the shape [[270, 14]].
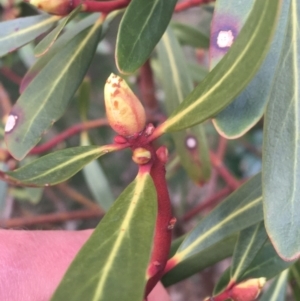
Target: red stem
[[101, 6], [189, 4], [224, 172], [146, 85], [75, 129], [210, 201], [164, 222], [15, 78]]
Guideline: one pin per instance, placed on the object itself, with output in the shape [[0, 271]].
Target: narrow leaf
[[249, 106], [229, 78], [191, 145], [3, 189], [18, 32], [60, 44], [58, 166], [46, 98], [188, 35], [240, 210], [112, 264], [294, 279], [278, 288], [141, 27], [281, 149], [200, 261], [44, 45], [250, 241], [266, 264]]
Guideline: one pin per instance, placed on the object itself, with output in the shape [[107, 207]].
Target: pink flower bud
[[124, 111], [56, 7], [247, 290]]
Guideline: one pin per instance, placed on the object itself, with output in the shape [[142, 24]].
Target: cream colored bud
[[141, 156], [124, 111], [56, 7]]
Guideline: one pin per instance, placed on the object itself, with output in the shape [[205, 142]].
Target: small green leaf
[[266, 264], [141, 27], [58, 166], [44, 45], [233, 73], [294, 279], [112, 264], [47, 96], [278, 288], [281, 149], [191, 145], [200, 261], [188, 35], [60, 44], [18, 32], [240, 210], [222, 283], [249, 106], [250, 241]]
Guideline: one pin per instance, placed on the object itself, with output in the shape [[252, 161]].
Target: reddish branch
[[15, 78], [146, 85], [49, 218], [208, 203], [189, 4], [101, 6], [77, 128]]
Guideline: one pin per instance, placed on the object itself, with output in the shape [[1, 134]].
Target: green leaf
[[141, 27], [266, 264], [250, 241], [188, 35], [249, 106], [294, 279], [191, 145], [44, 45], [277, 290], [240, 210], [200, 261], [60, 44], [281, 149], [3, 189], [18, 32], [47, 96], [222, 283], [58, 166], [112, 264], [233, 73]]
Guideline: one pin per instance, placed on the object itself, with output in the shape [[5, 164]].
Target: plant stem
[[75, 129], [101, 6], [164, 222], [189, 4], [49, 218]]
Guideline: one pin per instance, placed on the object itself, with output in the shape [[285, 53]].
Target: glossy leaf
[[44, 45], [250, 241], [281, 149], [229, 78], [278, 288], [294, 279], [188, 35], [60, 44], [112, 264], [266, 264], [58, 166], [200, 261], [249, 106], [191, 145], [47, 96], [18, 32], [141, 27], [240, 210]]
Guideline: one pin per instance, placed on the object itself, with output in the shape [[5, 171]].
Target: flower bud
[[141, 156], [247, 290], [124, 111], [56, 7]]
